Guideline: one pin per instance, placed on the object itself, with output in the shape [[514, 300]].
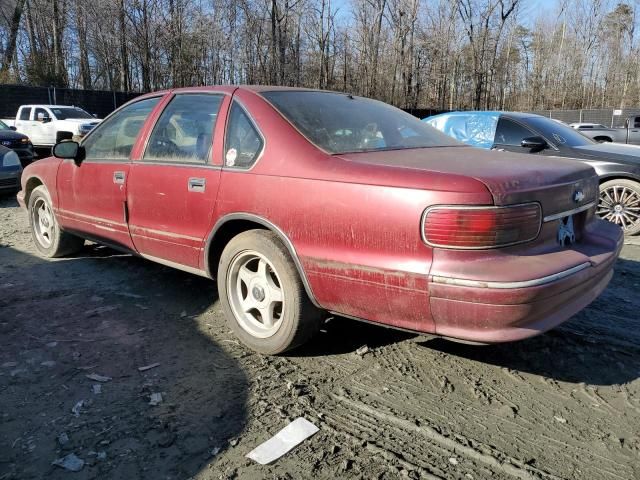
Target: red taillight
[[481, 227]]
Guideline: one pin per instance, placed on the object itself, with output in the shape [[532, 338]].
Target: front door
[[43, 128], [92, 195], [172, 189]]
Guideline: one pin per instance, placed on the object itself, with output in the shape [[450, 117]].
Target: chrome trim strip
[[178, 266], [266, 223], [140, 231], [475, 207], [556, 216], [69, 214], [461, 282]]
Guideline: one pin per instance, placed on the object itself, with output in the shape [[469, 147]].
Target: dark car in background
[[18, 142], [617, 165], [10, 171]]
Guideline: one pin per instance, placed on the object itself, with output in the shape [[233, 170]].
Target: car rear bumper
[[492, 312]]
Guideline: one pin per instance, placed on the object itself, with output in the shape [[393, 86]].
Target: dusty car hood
[[510, 177]]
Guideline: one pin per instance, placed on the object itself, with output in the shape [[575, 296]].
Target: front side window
[[243, 143], [24, 113], [184, 131], [340, 123], [509, 132], [113, 139], [558, 133], [40, 114]]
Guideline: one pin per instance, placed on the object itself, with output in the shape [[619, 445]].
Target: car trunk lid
[[559, 185]]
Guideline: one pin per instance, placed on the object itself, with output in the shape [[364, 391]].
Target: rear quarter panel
[[355, 228]]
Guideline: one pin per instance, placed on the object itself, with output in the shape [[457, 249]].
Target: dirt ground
[[563, 405]]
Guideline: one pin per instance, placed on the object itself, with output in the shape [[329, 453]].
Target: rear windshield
[[69, 112], [340, 123]]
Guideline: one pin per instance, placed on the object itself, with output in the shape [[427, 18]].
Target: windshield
[[3, 126], [559, 134], [340, 123], [63, 113]]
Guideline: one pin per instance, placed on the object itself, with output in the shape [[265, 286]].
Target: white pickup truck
[[46, 125]]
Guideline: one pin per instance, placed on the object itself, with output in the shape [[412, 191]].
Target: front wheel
[[49, 239], [620, 204], [262, 295]]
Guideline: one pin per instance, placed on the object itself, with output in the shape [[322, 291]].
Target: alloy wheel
[[255, 294], [43, 222], [620, 204]]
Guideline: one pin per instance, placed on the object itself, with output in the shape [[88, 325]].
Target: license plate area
[[566, 231]]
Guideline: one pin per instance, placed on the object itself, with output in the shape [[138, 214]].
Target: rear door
[[23, 121], [172, 189], [92, 195]]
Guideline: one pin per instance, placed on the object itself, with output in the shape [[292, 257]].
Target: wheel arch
[[233, 224], [30, 185], [603, 138], [619, 176]]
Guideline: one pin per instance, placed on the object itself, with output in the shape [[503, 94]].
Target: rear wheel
[[49, 239], [620, 204], [262, 295]]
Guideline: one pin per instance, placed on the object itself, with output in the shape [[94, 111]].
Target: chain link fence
[[608, 117]]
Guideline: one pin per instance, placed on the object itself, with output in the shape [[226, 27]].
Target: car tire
[[262, 295], [620, 204], [50, 240]]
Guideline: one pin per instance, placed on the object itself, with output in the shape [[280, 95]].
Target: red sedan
[[301, 202]]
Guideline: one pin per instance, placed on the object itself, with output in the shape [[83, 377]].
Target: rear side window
[[113, 139], [184, 131], [24, 113], [243, 142], [509, 132], [636, 123]]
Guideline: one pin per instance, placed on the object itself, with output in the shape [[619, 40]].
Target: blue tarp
[[473, 128]]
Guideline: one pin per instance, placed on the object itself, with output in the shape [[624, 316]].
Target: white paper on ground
[[283, 441]]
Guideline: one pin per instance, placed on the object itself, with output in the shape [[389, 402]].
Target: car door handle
[[197, 184], [118, 178]]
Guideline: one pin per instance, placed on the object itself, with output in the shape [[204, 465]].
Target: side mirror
[[12, 128], [534, 143], [69, 151]]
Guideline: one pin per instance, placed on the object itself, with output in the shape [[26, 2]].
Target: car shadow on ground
[[64, 319]]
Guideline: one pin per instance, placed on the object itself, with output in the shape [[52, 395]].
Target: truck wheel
[[620, 204], [50, 240], [262, 295]]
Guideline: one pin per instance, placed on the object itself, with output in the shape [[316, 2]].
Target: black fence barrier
[[98, 102]]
